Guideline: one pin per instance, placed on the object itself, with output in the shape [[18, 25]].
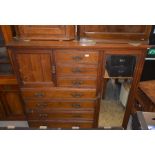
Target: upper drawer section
[[76, 56]]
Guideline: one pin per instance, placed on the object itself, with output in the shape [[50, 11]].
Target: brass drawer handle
[[77, 58], [76, 105], [77, 70], [76, 95], [43, 115], [42, 105], [39, 94], [77, 83], [77, 116]]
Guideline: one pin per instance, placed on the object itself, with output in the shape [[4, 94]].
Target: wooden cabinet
[[144, 98], [5, 64], [61, 82], [12, 103], [45, 32], [58, 85], [75, 84], [11, 106], [117, 33], [35, 67]]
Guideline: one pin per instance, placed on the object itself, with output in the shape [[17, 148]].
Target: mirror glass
[[117, 80]]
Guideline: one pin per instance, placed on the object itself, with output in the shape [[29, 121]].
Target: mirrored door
[[117, 81]]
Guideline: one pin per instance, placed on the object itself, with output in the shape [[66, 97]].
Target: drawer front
[[76, 70], [86, 115], [9, 88], [76, 82], [122, 60], [141, 103], [63, 125], [43, 106], [76, 56], [58, 94]]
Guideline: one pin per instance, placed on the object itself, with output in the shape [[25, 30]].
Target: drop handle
[[77, 70], [43, 115], [39, 94], [76, 95], [43, 105], [76, 105], [77, 83], [77, 58]]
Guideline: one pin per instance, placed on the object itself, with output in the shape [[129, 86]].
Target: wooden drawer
[[76, 82], [62, 124], [142, 103], [9, 88], [85, 115], [44, 106], [71, 69], [69, 93], [76, 56]]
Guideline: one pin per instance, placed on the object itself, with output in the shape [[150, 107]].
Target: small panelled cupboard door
[[35, 67], [13, 105]]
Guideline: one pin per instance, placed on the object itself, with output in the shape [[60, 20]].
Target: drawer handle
[[139, 106], [77, 58], [77, 83], [43, 115], [76, 95], [120, 71], [77, 70], [76, 105], [39, 94], [77, 116], [122, 60], [43, 105]]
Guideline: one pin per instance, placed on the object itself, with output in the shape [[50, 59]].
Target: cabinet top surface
[[148, 87], [76, 44]]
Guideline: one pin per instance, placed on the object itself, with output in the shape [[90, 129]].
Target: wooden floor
[[111, 114]]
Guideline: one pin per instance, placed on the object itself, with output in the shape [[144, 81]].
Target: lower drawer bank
[[61, 124], [60, 108]]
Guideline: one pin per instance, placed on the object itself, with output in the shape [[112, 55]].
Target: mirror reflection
[[117, 82]]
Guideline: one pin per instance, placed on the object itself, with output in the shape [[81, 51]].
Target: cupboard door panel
[[12, 105], [35, 68], [127, 32], [46, 32]]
